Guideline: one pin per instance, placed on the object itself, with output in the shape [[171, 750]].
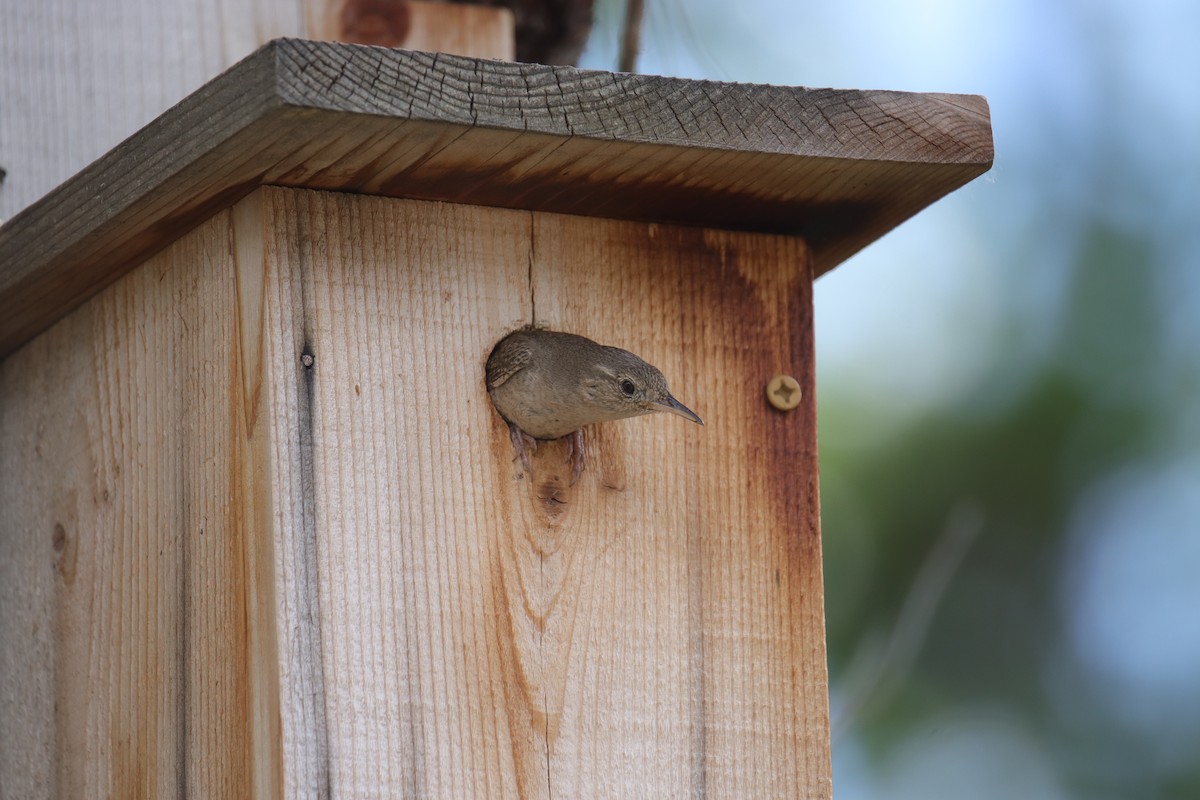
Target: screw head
[[784, 392]]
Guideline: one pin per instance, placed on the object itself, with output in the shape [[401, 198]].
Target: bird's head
[[622, 385]]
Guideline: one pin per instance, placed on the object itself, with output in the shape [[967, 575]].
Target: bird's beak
[[673, 406]]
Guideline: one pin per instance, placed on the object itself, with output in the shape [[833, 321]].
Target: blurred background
[[1010, 396]]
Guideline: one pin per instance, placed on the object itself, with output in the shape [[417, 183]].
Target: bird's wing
[[506, 362]]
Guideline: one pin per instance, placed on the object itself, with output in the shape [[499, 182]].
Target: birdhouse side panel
[[126, 489]]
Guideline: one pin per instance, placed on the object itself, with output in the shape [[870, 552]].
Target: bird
[[549, 384]]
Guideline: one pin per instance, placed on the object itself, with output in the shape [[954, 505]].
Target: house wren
[[547, 385]]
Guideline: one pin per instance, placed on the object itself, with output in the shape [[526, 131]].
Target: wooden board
[[837, 167], [451, 628], [77, 79], [138, 658]]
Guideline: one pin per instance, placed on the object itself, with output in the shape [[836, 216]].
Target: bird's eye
[[627, 387]]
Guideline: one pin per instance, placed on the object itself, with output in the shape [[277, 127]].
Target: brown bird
[[547, 385]]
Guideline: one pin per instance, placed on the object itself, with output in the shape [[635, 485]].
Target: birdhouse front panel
[[451, 623]]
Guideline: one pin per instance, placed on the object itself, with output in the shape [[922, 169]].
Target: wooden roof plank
[[838, 167]]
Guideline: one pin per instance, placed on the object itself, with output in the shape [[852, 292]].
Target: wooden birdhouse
[[264, 535]]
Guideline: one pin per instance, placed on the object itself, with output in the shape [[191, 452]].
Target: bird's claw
[[523, 443], [576, 454]]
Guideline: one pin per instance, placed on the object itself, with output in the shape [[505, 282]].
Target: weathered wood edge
[[291, 103], [626, 107]]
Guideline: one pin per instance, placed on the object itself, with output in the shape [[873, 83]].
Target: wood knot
[[65, 549], [550, 481]]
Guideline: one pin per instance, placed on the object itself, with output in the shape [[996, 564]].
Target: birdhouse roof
[[838, 167]]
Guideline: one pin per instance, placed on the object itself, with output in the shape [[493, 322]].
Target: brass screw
[[784, 392]]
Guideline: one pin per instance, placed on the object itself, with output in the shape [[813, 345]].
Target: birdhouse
[[263, 532]]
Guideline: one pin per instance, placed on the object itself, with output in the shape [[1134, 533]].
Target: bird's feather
[[507, 362]]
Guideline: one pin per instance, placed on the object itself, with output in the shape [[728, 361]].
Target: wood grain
[[838, 167], [451, 628], [135, 662], [394, 682]]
